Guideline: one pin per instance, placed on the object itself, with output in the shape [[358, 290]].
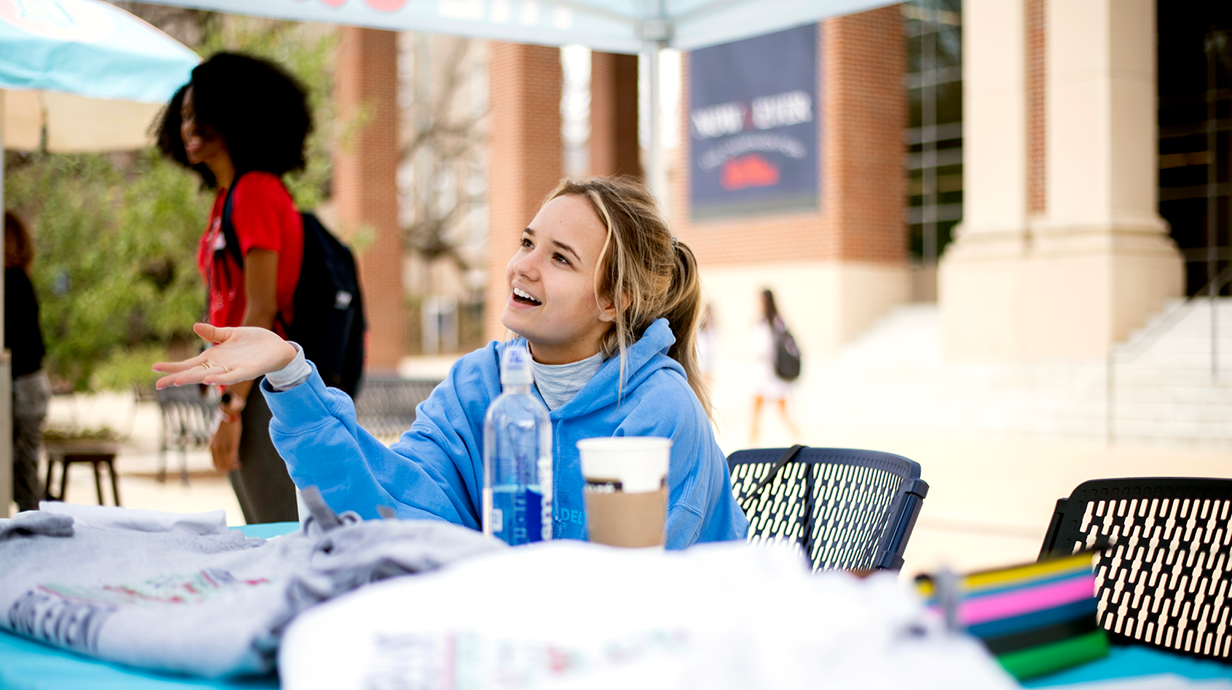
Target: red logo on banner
[[752, 170]]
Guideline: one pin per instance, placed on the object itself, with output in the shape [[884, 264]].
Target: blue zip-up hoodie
[[436, 469]]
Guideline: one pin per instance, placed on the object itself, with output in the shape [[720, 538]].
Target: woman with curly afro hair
[[241, 123]]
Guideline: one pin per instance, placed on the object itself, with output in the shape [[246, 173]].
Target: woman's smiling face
[[200, 143], [551, 282]]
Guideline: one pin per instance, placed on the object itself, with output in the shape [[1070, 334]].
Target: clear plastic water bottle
[[517, 457]]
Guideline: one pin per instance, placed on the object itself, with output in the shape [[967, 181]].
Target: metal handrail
[[1154, 332]]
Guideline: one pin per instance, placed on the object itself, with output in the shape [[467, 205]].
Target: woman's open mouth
[[523, 297]]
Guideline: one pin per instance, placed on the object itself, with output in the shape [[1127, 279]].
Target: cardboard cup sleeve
[[626, 489]]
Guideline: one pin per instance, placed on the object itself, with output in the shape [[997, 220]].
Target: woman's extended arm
[[434, 471], [239, 354]]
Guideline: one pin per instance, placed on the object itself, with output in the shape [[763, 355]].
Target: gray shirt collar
[[558, 383]]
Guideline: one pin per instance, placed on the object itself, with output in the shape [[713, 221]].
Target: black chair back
[[1162, 576], [847, 509]]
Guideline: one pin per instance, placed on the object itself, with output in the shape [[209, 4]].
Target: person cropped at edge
[[24, 338], [603, 368], [240, 116]]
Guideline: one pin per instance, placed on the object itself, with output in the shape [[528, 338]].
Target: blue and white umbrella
[[88, 74]]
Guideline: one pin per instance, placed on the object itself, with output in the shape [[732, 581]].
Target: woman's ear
[[607, 310]]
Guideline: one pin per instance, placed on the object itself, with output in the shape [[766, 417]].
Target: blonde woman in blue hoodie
[[608, 302]]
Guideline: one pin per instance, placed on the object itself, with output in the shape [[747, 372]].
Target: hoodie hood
[[642, 359]]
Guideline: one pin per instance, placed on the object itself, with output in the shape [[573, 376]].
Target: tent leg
[[656, 172], [6, 395]]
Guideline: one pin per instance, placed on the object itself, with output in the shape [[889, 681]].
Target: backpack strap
[[228, 229], [233, 243], [787, 456]]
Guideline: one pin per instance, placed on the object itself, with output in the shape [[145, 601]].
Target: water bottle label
[[516, 515]]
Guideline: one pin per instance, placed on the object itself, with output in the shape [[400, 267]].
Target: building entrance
[[1195, 135]]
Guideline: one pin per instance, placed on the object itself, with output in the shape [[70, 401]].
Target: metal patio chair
[[1162, 571], [847, 509], [386, 406], [188, 415]]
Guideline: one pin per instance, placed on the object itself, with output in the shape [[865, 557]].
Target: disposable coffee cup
[[626, 489]]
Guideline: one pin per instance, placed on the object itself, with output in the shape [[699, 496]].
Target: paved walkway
[[989, 502]]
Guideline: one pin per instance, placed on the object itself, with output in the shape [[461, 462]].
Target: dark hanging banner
[[753, 126]]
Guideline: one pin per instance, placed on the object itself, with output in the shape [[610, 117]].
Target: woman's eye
[[561, 258], [526, 243]]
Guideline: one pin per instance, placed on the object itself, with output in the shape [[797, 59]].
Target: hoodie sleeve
[[433, 471], [700, 505]]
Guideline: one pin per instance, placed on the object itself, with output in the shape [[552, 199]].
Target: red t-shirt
[[263, 217]]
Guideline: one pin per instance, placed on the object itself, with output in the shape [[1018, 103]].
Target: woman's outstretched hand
[[239, 354]]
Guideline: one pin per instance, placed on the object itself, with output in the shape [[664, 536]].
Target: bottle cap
[[515, 366]]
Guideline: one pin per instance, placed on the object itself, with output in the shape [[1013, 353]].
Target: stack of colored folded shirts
[[1035, 618]]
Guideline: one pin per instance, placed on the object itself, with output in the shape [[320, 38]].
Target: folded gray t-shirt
[[208, 605]]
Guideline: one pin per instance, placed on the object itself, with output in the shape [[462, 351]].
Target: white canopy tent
[[618, 26], [615, 26]]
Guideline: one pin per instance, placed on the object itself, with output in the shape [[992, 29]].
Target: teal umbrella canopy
[[84, 73], [617, 26]]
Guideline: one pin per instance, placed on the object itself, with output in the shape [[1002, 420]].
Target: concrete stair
[[896, 376], [1168, 386]]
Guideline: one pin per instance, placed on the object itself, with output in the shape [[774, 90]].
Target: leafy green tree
[[116, 234]]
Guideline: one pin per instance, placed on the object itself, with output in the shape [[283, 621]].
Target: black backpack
[[329, 306], [786, 354]]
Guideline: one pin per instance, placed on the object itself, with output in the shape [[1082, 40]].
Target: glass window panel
[[949, 102], [915, 234], [949, 183], [915, 46], [915, 188], [1182, 144], [914, 118], [1222, 160], [949, 46], [950, 170], [954, 196]]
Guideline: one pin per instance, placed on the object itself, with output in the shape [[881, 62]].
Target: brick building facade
[[834, 270], [525, 154], [365, 183]]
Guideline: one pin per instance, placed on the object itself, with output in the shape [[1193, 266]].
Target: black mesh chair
[[386, 405], [847, 509], [1162, 575]]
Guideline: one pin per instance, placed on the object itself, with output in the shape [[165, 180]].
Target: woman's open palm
[[239, 354]]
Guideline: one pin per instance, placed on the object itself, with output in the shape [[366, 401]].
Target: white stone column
[[1098, 261], [980, 275], [1103, 261]]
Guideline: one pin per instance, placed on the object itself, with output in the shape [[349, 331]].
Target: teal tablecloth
[[29, 665], [1131, 662]]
